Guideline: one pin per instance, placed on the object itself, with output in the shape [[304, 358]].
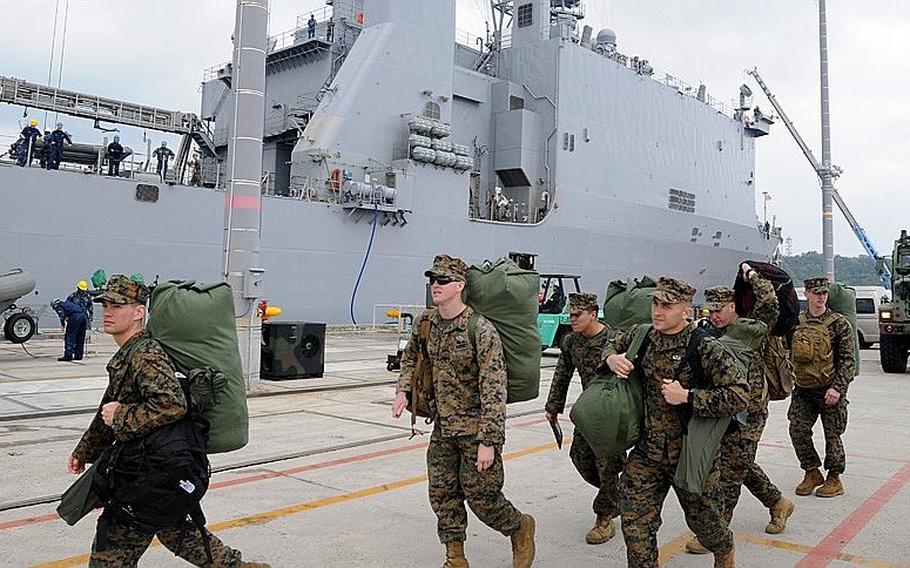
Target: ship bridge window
[[525, 15], [516, 103], [680, 200], [431, 110]]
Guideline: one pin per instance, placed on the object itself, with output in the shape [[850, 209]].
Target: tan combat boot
[[812, 480], [523, 543], [602, 532], [780, 512], [725, 559], [455, 557], [694, 546], [832, 487]]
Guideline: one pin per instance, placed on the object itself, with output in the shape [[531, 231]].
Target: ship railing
[[395, 312], [283, 40], [688, 90]]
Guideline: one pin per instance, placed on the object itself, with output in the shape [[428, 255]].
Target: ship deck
[[330, 479]]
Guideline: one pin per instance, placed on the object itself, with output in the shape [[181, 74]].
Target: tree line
[[850, 270]]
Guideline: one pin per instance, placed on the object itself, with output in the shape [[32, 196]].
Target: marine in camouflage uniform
[[142, 381], [469, 381], [740, 468], [651, 464], [582, 352], [810, 400]]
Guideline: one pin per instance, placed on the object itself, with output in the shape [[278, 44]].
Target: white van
[[868, 299]]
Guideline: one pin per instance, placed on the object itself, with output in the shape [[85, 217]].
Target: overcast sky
[[154, 53]]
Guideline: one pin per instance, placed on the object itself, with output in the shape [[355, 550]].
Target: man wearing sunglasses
[[824, 363], [581, 350], [464, 457]]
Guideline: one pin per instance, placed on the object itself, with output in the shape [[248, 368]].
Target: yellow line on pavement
[[272, 515], [673, 548]]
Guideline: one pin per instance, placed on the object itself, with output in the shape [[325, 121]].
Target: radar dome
[[606, 35]]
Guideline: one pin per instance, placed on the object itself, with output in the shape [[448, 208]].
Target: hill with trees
[[850, 270]]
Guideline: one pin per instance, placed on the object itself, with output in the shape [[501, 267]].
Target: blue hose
[[366, 257]]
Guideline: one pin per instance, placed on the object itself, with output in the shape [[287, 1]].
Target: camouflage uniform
[[807, 404], [469, 381], [652, 463], [142, 379], [740, 466], [583, 353]]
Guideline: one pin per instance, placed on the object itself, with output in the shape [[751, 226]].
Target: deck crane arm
[[820, 169]]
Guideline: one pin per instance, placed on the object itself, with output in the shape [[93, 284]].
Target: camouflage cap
[[445, 265], [673, 290], [717, 297], [816, 285], [123, 290], [584, 301]]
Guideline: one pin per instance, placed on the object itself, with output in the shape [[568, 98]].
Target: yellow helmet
[[33, 122], [82, 285]]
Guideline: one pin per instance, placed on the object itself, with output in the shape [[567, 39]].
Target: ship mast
[[243, 202], [826, 172]]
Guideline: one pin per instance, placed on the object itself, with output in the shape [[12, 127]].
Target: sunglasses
[[441, 280]]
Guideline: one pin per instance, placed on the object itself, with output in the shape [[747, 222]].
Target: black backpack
[[157, 481], [744, 296]]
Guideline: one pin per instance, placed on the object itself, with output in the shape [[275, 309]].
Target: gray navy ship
[[390, 137]]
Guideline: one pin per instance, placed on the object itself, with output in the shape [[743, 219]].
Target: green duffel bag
[[195, 325], [842, 299], [610, 411], [628, 302], [79, 500], [506, 295]]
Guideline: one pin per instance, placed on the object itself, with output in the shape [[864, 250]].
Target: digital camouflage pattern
[[583, 353], [123, 545], [122, 289], [840, 359], [583, 301], [673, 290], [717, 297], [148, 392], [470, 386], [602, 473], [652, 463], [739, 466], [817, 285], [806, 405], [454, 479], [142, 379], [576, 352], [445, 265]]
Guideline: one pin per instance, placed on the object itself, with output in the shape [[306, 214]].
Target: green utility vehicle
[[553, 314], [894, 316]]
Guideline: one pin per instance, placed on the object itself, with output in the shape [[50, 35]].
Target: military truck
[[894, 316]]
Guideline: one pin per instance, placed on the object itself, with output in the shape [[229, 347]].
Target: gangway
[[820, 169], [83, 105]]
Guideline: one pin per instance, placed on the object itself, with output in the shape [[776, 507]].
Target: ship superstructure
[[388, 140]]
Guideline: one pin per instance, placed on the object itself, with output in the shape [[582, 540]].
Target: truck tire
[[863, 344], [893, 354], [19, 328]]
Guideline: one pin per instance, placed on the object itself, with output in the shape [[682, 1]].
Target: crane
[[821, 170]]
